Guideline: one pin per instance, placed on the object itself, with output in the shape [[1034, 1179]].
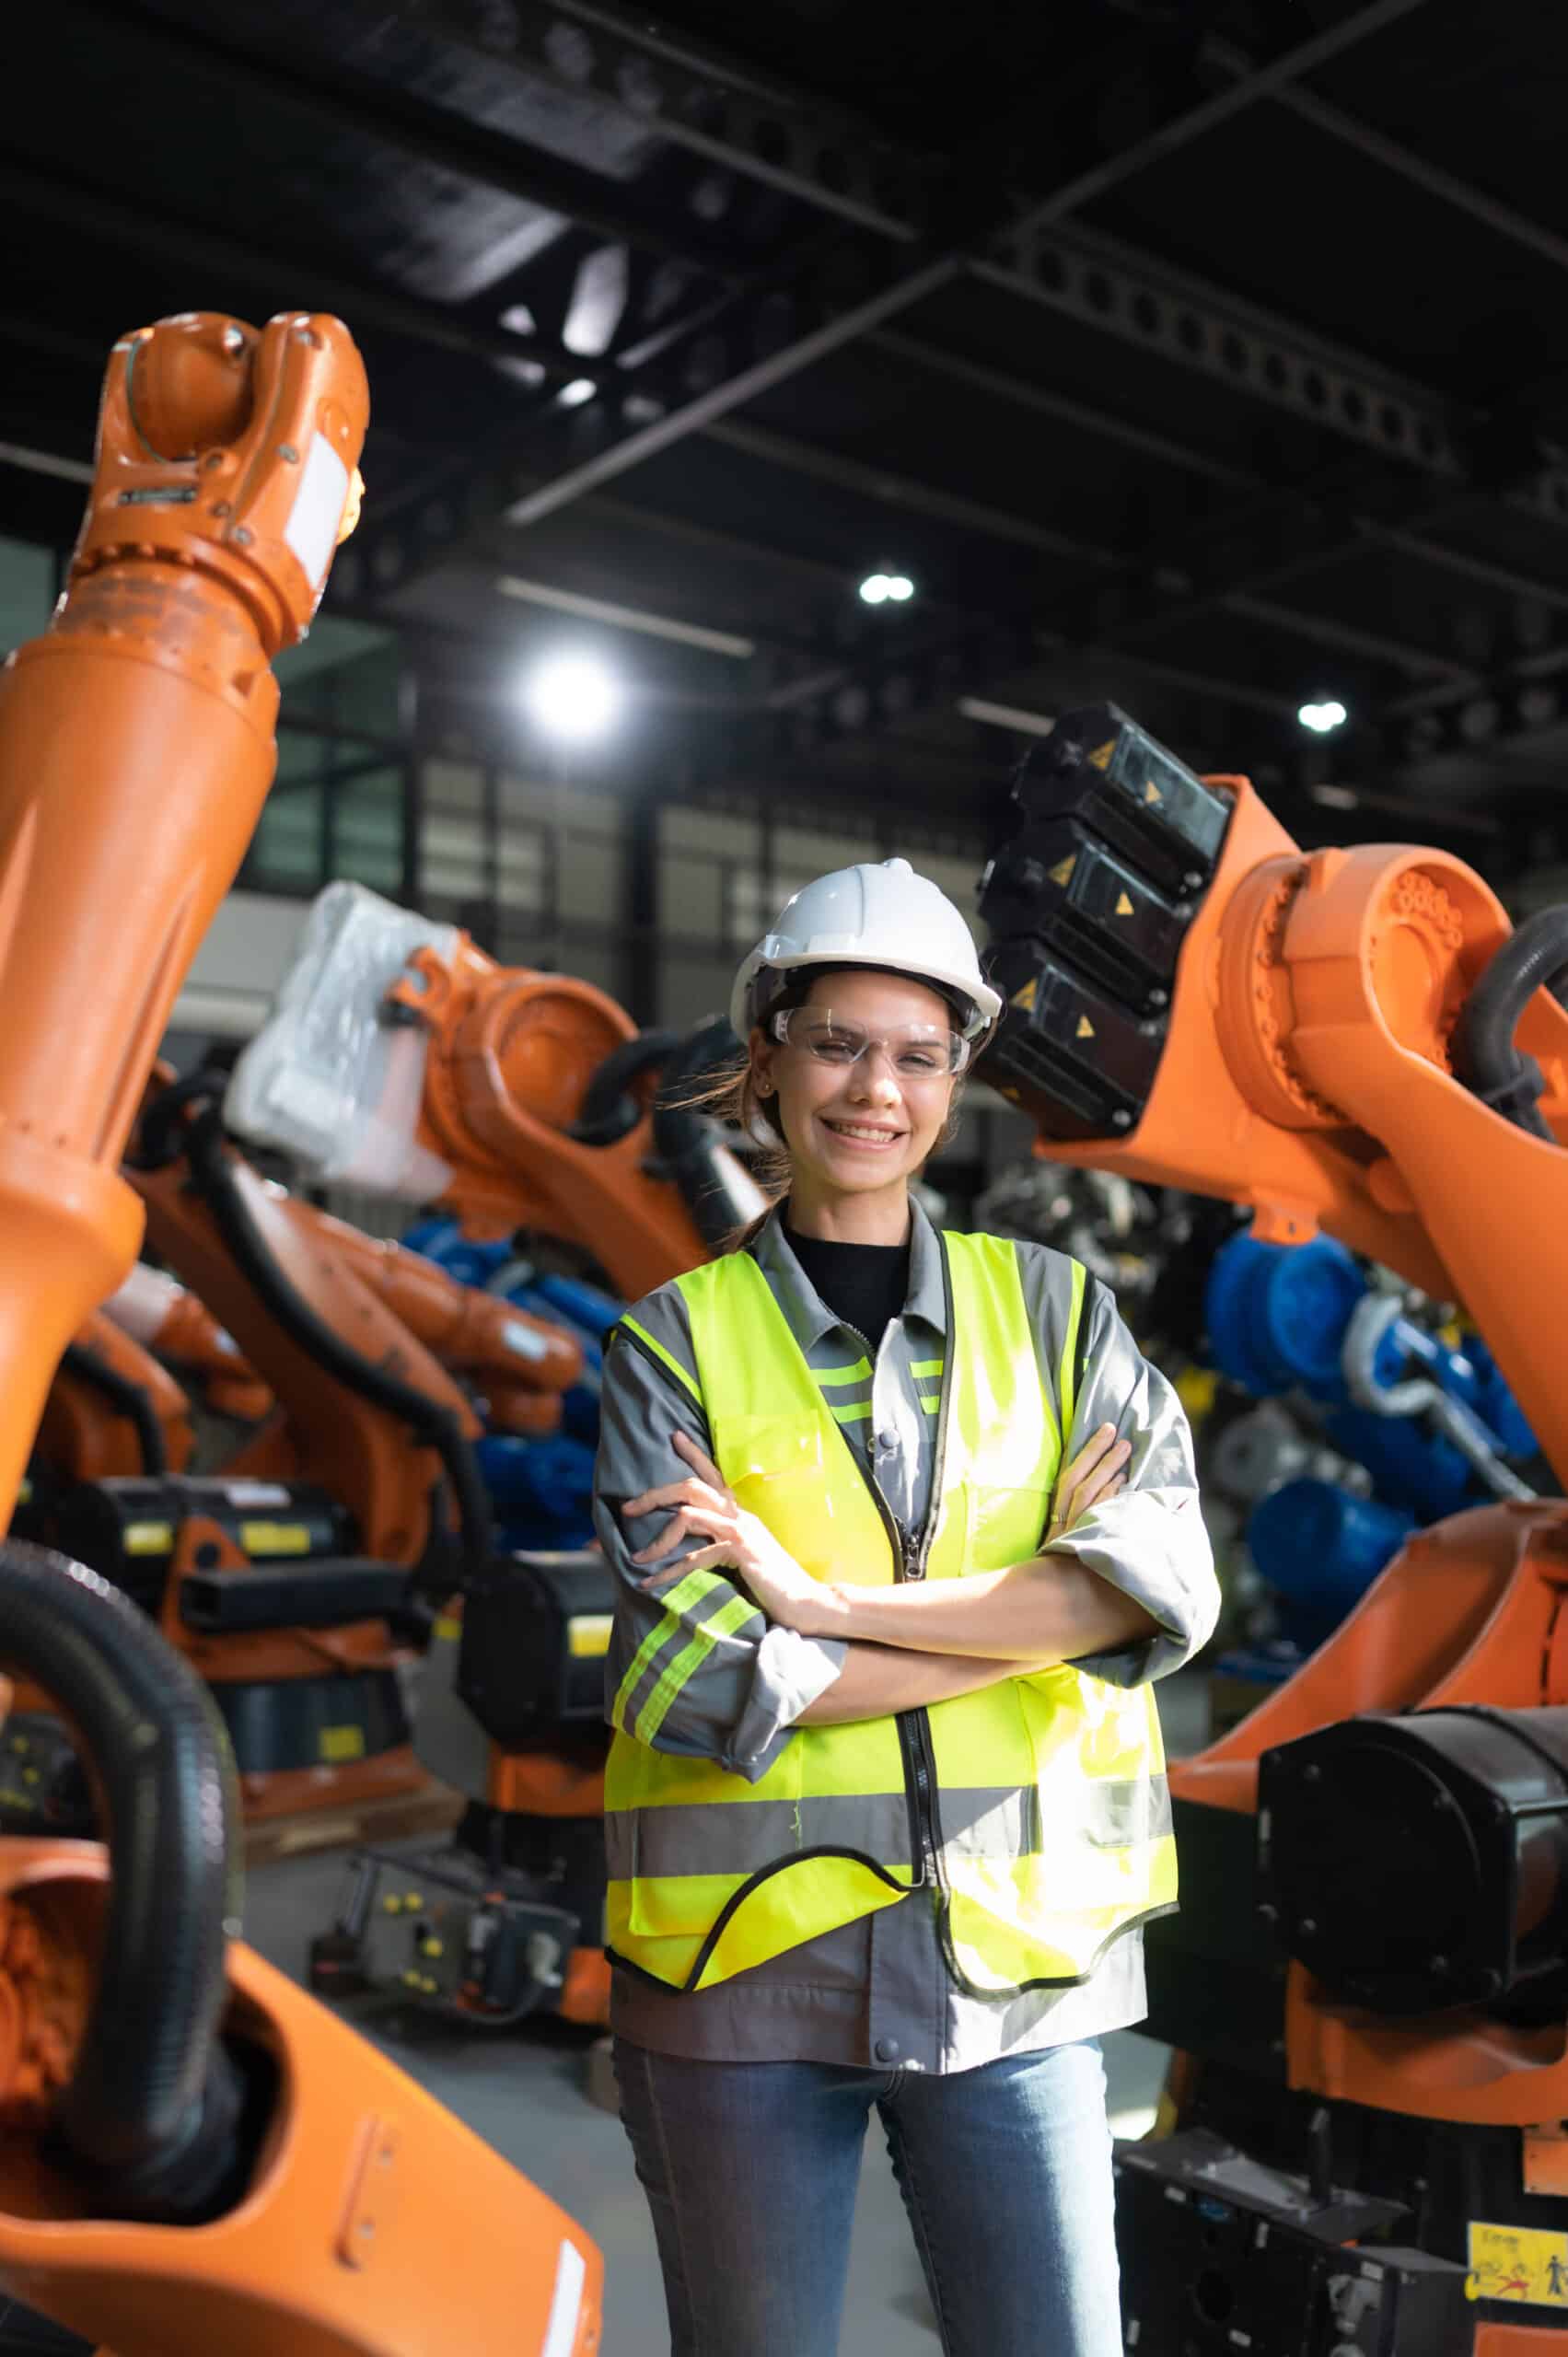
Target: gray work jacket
[[876, 1992]]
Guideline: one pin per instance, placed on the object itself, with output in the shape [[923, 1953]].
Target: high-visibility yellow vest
[[1035, 1811]]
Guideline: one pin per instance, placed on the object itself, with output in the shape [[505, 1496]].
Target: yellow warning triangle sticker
[[1124, 905], [1027, 996], [1085, 1029], [1152, 792], [1063, 871], [1101, 757]]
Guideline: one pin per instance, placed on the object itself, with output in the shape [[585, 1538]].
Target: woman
[[868, 1492]]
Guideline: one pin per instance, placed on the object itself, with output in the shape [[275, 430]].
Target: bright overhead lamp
[[574, 698], [877, 587], [1322, 717], [580, 389]]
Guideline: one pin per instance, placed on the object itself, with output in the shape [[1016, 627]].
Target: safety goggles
[[917, 1052]]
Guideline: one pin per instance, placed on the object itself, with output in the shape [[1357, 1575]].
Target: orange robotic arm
[[197, 2088], [520, 1364], [112, 1409], [402, 1059], [1195, 1001], [152, 1309], [137, 748]]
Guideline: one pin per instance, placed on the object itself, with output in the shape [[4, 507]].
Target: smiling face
[[858, 1130]]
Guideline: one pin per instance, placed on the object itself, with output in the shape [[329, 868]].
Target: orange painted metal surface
[[82, 1436], [477, 1334], [363, 1454], [362, 2176], [192, 1337], [135, 749], [511, 1054], [187, 578]]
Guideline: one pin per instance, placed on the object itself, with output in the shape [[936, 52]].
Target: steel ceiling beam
[[299, 279], [1103, 425], [766, 336], [794, 142], [892, 489], [363, 107]]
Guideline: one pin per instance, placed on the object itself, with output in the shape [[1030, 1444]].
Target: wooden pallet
[[431, 1808]]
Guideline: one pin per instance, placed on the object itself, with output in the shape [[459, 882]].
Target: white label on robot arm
[[566, 2301], [312, 528], [525, 1339]]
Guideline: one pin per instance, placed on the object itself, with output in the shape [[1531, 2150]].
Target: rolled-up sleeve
[[1150, 1539], [694, 1666]]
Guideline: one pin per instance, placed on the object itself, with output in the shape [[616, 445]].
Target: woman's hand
[[1095, 1474], [740, 1542]]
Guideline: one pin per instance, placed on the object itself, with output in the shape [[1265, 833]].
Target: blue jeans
[[750, 2171]]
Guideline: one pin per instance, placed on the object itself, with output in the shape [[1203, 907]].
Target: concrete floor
[[527, 2093]]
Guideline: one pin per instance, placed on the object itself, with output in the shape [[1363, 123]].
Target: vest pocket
[[689, 1857], [775, 1466]]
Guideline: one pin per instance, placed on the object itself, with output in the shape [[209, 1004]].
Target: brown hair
[[731, 1096]]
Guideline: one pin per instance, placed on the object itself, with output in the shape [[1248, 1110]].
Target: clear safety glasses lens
[[917, 1051]]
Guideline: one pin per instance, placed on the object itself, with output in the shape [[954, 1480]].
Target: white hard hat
[[867, 915]]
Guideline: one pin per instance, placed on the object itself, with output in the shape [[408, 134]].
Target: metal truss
[[765, 335]]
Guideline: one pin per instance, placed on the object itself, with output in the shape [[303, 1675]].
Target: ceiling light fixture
[[877, 587], [1323, 717], [574, 698]]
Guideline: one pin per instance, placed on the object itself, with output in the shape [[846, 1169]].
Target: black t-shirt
[[866, 1284]]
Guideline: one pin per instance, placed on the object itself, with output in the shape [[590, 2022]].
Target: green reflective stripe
[[926, 1366], [735, 1614], [856, 1415], [686, 1592], [931, 1406], [668, 1357], [837, 1375], [1065, 1388]]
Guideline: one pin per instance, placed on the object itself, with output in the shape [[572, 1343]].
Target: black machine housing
[[1088, 899]]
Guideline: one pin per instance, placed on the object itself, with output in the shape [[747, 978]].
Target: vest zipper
[[915, 1732]]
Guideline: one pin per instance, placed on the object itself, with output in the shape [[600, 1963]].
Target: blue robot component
[[1434, 1424], [541, 1489]]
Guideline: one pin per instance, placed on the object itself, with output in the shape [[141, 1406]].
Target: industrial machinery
[[1368, 1981], [195, 2155], [1422, 1411], [529, 1109], [401, 1059]]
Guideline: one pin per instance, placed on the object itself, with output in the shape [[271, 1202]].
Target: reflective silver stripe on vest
[[1125, 1810], [740, 1836]]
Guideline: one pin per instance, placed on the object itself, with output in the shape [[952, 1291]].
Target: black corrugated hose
[[150, 2125], [1484, 1055]]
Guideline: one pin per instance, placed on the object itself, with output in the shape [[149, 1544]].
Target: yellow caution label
[[447, 1627], [588, 1634], [1524, 2263], [1085, 1029], [338, 1744], [148, 1538], [1062, 872], [1101, 757], [274, 1538], [1152, 792], [1124, 905], [1027, 996]]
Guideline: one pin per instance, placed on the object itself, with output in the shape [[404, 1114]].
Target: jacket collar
[[807, 1315]]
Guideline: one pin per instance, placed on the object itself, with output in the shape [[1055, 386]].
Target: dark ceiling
[[1213, 357]]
